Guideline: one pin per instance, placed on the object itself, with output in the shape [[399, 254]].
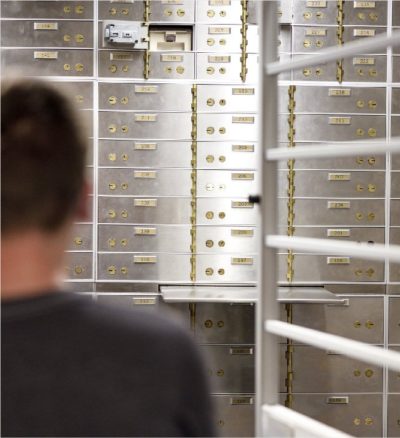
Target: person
[[71, 367]]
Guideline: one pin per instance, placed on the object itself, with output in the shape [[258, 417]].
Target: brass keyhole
[[220, 324], [357, 324], [208, 323], [220, 373]]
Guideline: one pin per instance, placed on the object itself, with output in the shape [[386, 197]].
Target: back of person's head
[[42, 157]]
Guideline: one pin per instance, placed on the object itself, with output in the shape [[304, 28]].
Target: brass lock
[[220, 324], [222, 70], [370, 272], [360, 132], [307, 43], [209, 243], [221, 215], [67, 67], [78, 241], [124, 186], [79, 98], [368, 421], [124, 157], [360, 188], [372, 132], [307, 71], [307, 15], [320, 15], [112, 100], [222, 14], [368, 373], [124, 242], [79, 67], [222, 42], [222, 102], [168, 12], [67, 38], [318, 71], [358, 272], [111, 242], [319, 43], [67, 9], [209, 215], [371, 216], [210, 130], [112, 128], [180, 69], [124, 214], [111, 270], [360, 160], [357, 324], [371, 188], [222, 130], [221, 423], [221, 271], [210, 158], [124, 100], [208, 323], [222, 158], [210, 41], [79, 9], [180, 12], [112, 11], [210, 102], [78, 270], [359, 216], [371, 161], [221, 243], [357, 373], [220, 373], [209, 271], [125, 68], [112, 213], [373, 16], [357, 421], [113, 68], [360, 104], [124, 11], [361, 16], [124, 129], [369, 324], [79, 38], [112, 186], [210, 13], [372, 104], [210, 70], [124, 270]]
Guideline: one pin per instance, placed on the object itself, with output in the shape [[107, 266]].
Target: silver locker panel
[[395, 126], [226, 240], [366, 13], [226, 98], [285, 12], [30, 33], [81, 238], [43, 62], [285, 39], [336, 212], [143, 267], [145, 97], [393, 415], [181, 11], [169, 65], [396, 13], [396, 68], [322, 72], [144, 238], [360, 33], [230, 368], [225, 68], [47, 9], [366, 234], [395, 193], [219, 11], [335, 127], [395, 235], [395, 212], [219, 155], [223, 211], [145, 302], [226, 183], [314, 13], [356, 414], [121, 63], [145, 125], [237, 268], [145, 182], [395, 100], [219, 323], [394, 377], [151, 154], [235, 416], [359, 318], [311, 39], [394, 272], [121, 10], [130, 210], [80, 92], [394, 320], [396, 161], [221, 127], [225, 39], [316, 183], [336, 100], [79, 266], [319, 371], [320, 268]]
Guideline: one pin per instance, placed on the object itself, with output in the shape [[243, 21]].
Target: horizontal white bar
[[365, 251], [300, 425], [337, 344], [367, 45], [330, 150]]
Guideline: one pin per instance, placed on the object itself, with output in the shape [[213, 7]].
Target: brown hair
[[42, 157]]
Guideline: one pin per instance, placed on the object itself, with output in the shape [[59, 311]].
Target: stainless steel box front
[[145, 182], [81, 238], [219, 11], [394, 320], [395, 192], [333, 212], [144, 238], [319, 183], [155, 210], [167, 65], [235, 416], [365, 68], [221, 127], [219, 323], [355, 414], [145, 125], [358, 318], [80, 92], [395, 235], [223, 211], [225, 68], [226, 240], [230, 367], [47, 9], [226, 98], [225, 155], [365, 234], [335, 99], [312, 39], [79, 266], [366, 13], [395, 100], [226, 183], [395, 212], [144, 267], [393, 419], [314, 13], [145, 97], [326, 269], [231, 269], [225, 39], [121, 63], [396, 68], [44, 62], [30, 33], [151, 154], [181, 11], [394, 376], [361, 33], [396, 13], [145, 302], [112, 10], [318, 371], [335, 127]]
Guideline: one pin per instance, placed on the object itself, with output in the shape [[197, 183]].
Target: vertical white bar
[[267, 370]]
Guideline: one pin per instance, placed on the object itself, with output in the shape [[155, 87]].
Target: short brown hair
[[42, 157]]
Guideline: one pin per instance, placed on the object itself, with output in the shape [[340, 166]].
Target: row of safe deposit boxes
[[342, 392]]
